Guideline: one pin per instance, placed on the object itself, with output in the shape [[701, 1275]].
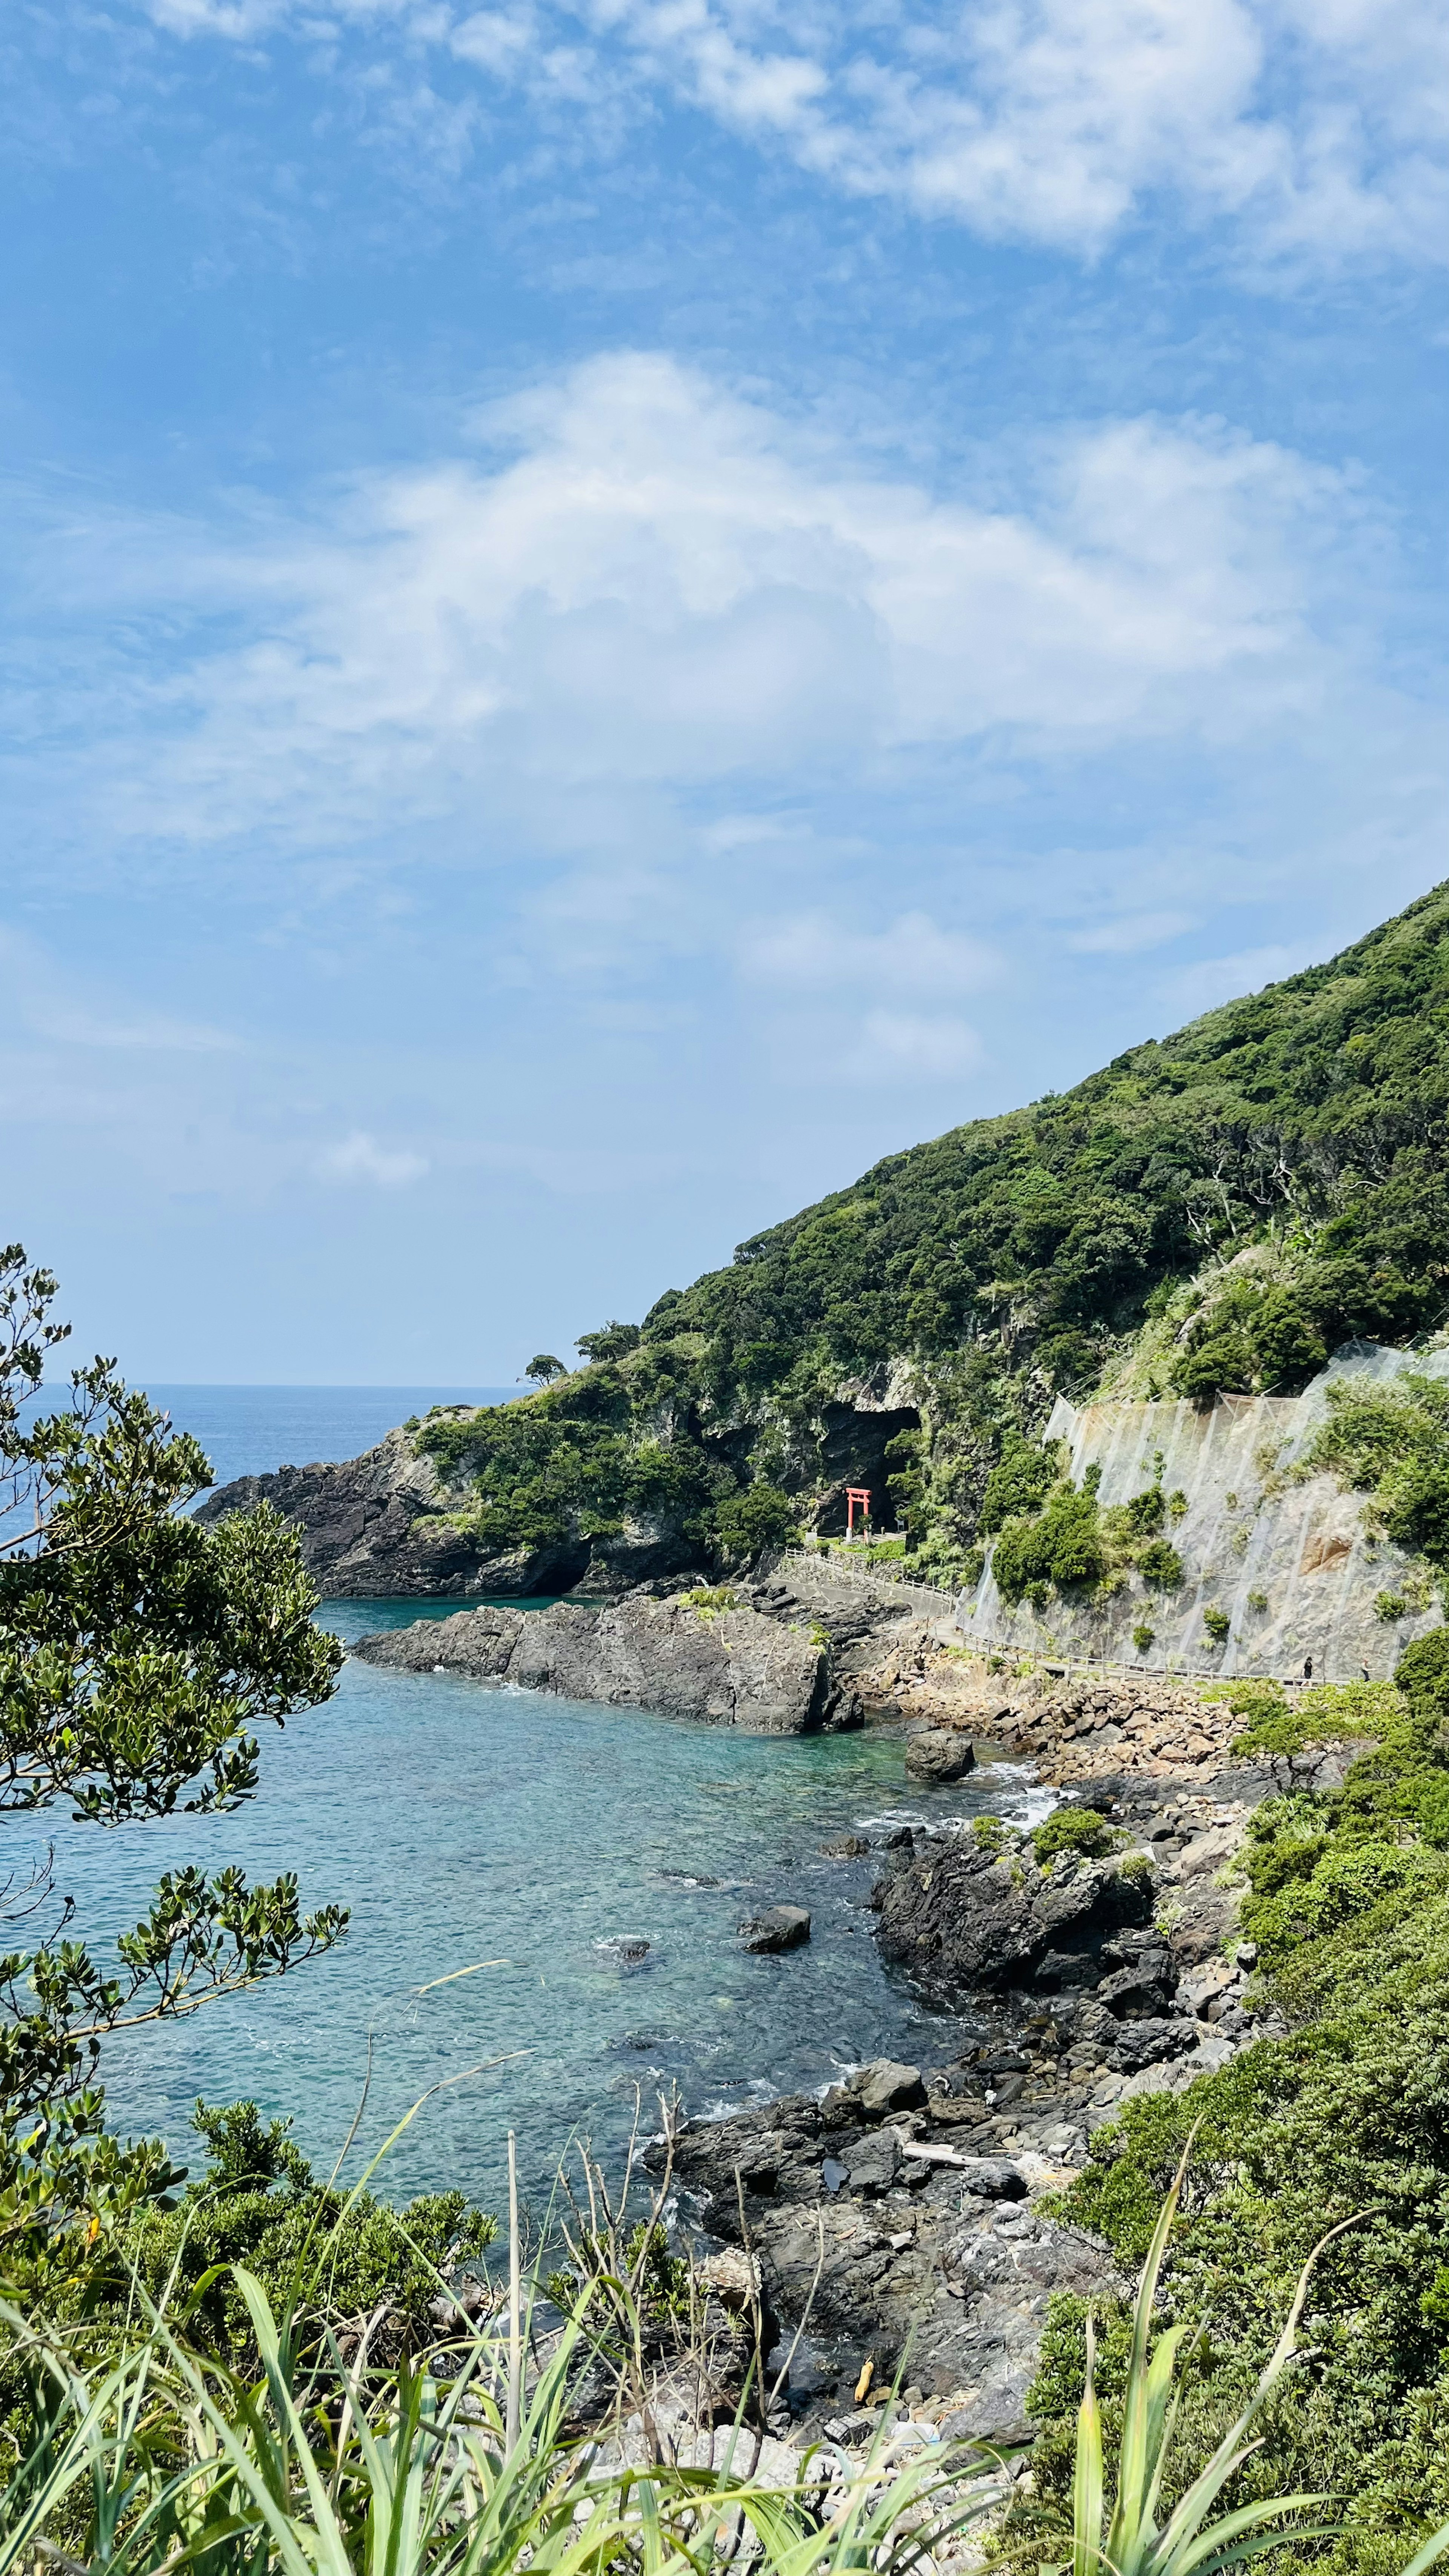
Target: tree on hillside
[[610, 1342], [137, 1652], [543, 1368]]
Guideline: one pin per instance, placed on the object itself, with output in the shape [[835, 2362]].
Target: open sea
[[495, 1846]]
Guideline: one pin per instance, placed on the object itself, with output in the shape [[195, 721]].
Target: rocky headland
[[390, 1524], [685, 1656]]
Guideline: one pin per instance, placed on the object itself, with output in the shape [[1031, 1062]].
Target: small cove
[[466, 1825]]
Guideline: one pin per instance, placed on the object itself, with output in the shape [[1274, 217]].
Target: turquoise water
[[466, 1825]]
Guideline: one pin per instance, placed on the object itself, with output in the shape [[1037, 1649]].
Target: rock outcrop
[[967, 1918], [721, 1668], [387, 1524], [909, 2212]]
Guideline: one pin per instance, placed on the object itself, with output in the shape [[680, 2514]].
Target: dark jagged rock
[[887, 2248], [783, 1927], [730, 1668], [939, 1754], [966, 1918]]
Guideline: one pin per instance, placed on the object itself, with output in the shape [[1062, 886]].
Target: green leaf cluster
[[330, 2257], [137, 1650], [1061, 1547], [1073, 1829]]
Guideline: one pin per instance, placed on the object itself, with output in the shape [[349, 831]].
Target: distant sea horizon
[[251, 1430]]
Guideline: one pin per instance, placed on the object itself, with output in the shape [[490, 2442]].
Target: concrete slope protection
[[1293, 1563]]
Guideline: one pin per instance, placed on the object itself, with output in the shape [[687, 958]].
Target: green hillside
[[1215, 1211]]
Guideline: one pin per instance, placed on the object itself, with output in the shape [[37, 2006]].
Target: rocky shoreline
[[906, 2220]]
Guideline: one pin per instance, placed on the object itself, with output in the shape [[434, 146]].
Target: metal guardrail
[[934, 1596]]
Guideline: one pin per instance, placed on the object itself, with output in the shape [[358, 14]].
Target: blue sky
[[615, 609]]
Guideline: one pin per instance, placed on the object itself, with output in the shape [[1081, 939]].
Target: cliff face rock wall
[[1249, 1533], [733, 1668], [386, 1525]]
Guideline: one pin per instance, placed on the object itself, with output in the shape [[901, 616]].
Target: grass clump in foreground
[[147, 2452]]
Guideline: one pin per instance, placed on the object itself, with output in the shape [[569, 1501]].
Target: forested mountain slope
[[1217, 1211]]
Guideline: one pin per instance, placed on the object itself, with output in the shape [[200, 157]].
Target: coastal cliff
[[395, 1523]]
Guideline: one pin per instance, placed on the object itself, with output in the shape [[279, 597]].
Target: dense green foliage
[[1392, 1442], [569, 1460], [324, 2255], [1226, 1205], [136, 1651], [1347, 2116]]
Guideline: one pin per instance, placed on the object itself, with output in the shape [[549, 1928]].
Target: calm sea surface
[[505, 1842]]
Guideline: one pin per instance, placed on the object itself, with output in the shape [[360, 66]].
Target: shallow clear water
[[465, 1825]]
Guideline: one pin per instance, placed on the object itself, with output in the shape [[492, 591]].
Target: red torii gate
[[856, 1494]]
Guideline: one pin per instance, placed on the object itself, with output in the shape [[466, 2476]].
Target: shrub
[[1161, 1566], [709, 1599], [1344, 1883], [1392, 1441], [990, 1831], [1177, 1505], [1063, 1547], [1143, 1636], [1217, 1624], [258, 2203], [1020, 1481], [1257, 1600], [1073, 1829], [744, 1524]]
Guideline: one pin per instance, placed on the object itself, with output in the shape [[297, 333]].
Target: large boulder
[[782, 1927], [966, 1917], [721, 1668], [939, 1754]]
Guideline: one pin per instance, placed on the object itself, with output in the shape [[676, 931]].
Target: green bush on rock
[[1073, 1829], [1062, 1546], [1161, 1566], [763, 1517]]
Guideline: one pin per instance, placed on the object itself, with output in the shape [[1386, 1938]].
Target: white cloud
[[1311, 127], [911, 1045], [61, 1009], [1131, 933], [812, 953], [665, 587], [359, 1157]]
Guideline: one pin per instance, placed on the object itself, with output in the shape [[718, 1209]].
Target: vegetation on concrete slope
[[1215, 1211]]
